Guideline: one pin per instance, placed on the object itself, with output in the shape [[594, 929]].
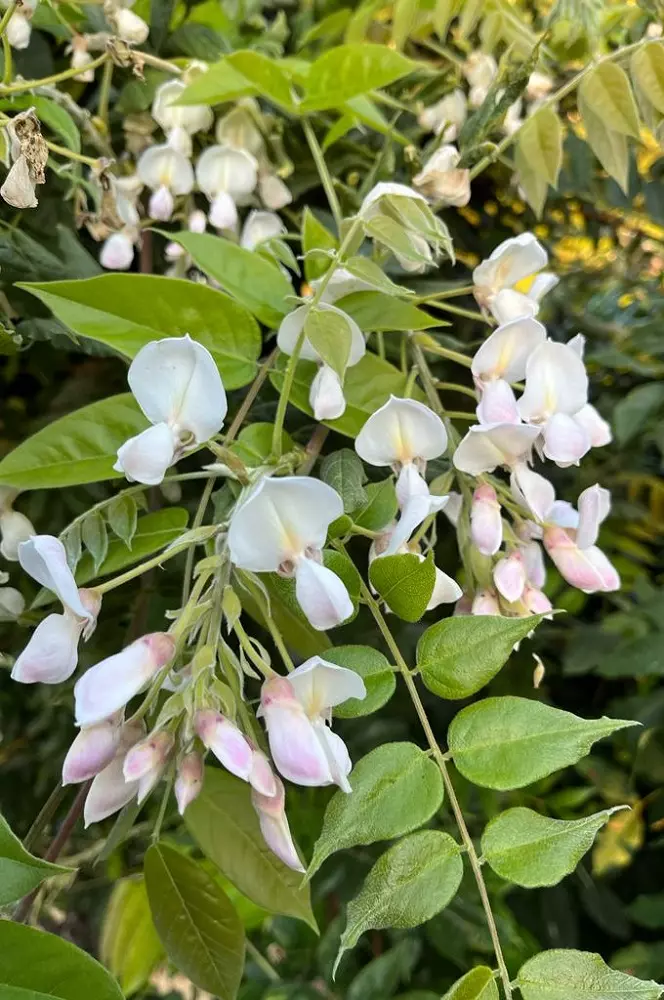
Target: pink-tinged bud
[[274, 825], [161, 204], [486, 524], [464, 606], [587, 569], [262, 777], [117, 252], [92, 750], [536, 601], [52, 652], [509, 576], [109, 791], [485, 603], [326, 395], [296, 750], [91, 601], [533, 559], [189, 781], [147, 755], [225, 741], [110, 684]]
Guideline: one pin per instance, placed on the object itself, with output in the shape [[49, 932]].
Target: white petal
[[533, 558], [533, 491], [176, 380], [110, 684], [485, 603], [260, 226], [594, 506], [164, 166], [19, 31], [320, 685], [18, 189], [321, 594], [578, 344], [280, 520], [167, 114], [506, 351], [509, 576], [598, 430], [486, 524], [410, 483], [14, 528], [223, 213], [274, 193], [148, 754], [370, 206], [326, 395], [92, 750], [45, 559], [565, 440], [147, 457], [416, 509], [117, 252], [295, 748], [275, 829], [510, 262], [337, 755], [222, 168], [225, 741], [542, 284], [131, 28], [400, 431], [498, 404], [486, 447], [445, 590], [510, 305], [556, 382], [261, 777], [52, 652], [108, 793], [341, 283], [189, 781]]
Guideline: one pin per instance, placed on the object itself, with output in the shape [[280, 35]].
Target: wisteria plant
[[290, 456]]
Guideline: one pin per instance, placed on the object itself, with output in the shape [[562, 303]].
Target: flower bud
[[197, 221], [587, 569], [223, 213], [274, 826], [19, 31], [536, 601], [274, 193], [441, 180], [225, 741], [12, 604], [161, 204], [147, 755], [92, 750], [485, 603], [14, 528], [486, 524], [538, 672], [80, 58], [509, 576], [326, 395], [262, 777], [131, 28], [109, 791], [189, 781], [117, 252]]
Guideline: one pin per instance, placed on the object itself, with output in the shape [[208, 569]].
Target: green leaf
[[392, 234], [609, 145], [458, 656], [127, 311], [224, 824], [478, 984], [540, 141], [344, 472], [647, 66], [254, 443], [195, 920], [563, 974], [535, 186], [20, 872], [264, 75], [532, 850], [607, 92], [327, 27], [633, 411], [376, 672], [367, 270], [129, 946], [396, 788], [382, 311], [153, 532], [39, 966], [405, 583], [220, 83], [348, 70], [404, 19], [509, 742], [330, 335], [367, 385], [315, 237], [648, 911], [78, 448], [95, 538], [381, 507], [50, 114], [122, 516], [409, 884], [249, 277]]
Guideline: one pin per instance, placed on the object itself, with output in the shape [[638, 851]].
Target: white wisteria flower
[[511, 263], [298, 710], [227, 177], [502, 359], [404, 434], [442, 180], [177, 385], [556, 389], [570, 538], [167, 172], [446, 116], [281, 527], [326, 395], [260, 226], [52, 652], [192, 118]]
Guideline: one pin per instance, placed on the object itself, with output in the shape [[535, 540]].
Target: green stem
[[71, 155], [445, 352], [46, 813], [257, 595], [248, 400], [156, 832], [245, 642], [7, 16], [262, 963], [324, 174], [447, 781], [458, 311], [7, 53], [447, 293], [66, 74], [551, 101], [105, 92], [455, 387], [119, 581], [196, 523]]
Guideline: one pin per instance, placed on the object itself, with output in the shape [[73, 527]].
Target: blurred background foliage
[[606, 655]]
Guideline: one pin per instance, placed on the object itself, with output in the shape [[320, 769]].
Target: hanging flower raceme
[[297, 710], [179, 122], [107, 687], [52, 653], [556, 389], [14, 526], [326, 396], [502, 359], [168, 173], [441, 179], [177, 385], [512, 263], [570, 542], [446, 116], [227, 177], [281, 528], [405, 434]]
